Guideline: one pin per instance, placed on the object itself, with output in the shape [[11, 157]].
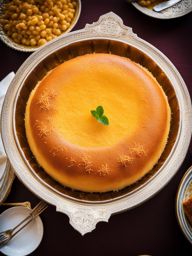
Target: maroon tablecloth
[[151, 228]]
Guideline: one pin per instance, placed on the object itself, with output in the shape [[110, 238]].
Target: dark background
[[151, 228]]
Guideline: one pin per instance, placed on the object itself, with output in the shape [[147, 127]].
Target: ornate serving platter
[[109, 35], [178, 10]]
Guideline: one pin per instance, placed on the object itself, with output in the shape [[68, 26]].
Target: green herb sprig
[[98, 115]]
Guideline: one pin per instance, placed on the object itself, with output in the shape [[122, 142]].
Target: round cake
[[88, 150]]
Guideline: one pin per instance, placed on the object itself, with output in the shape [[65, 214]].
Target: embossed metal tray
[[178, 10], [108, 35]]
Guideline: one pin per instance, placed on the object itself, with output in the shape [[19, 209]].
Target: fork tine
[[4, 236], [41, 206]]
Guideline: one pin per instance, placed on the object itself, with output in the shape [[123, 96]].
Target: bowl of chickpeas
[[30, 24]]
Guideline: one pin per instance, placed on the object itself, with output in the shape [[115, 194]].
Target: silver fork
[[7, 235]]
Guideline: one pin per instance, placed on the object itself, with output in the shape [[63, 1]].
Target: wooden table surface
[[151, 228]]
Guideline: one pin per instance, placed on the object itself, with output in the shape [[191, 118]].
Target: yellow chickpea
[[68, 19], [46, 21], [42, 27], [63, 22], [37, 38], [27, 42], [35, 33], [23, 41], [61, 16], [45, 15], [37, 28], [26, 5], [29, 12], [67, 24], [23, 33], [70, 15], [42, 41], [34, 21], [46, 9], [59, 4], [31, 28], [40, 23], [35, 9], [50, 23], [40, 17], [48, 31], [49, 38], [63, 27], [72, 11], [43, 33], [16, 40], [22, 16], [55, 25], [57, 32], [74, 4], [14, 23], [14, 35], [21, 26], [51, 12], [55, 19], [11, 7], [33, 42], [5, 21], [70, 5], [14, 16]]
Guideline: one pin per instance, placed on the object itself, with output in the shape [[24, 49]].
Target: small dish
[[185, 185], [180, 9], [28, 239], [6, 172], [9, 42], [6, 182]]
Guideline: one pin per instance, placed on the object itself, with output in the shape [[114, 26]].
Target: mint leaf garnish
[[94, 113], [100, 110], [104, 120], [98, 114]]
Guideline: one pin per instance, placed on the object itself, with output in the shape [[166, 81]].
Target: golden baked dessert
[[187, 206], [149, 3], [78, 151], [187, 203]]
